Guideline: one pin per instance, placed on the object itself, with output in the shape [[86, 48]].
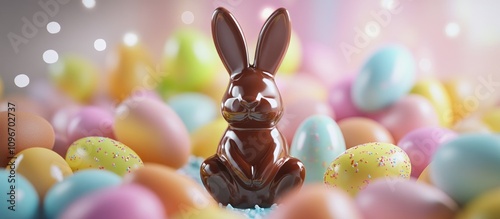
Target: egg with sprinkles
[[102, 153], [353, 170]]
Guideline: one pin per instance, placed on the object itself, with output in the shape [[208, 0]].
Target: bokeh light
[[100, 45], [88, 3], [130, 39], [21, 80], [452, 30], [187, 17], [53, 27], [50, 56]]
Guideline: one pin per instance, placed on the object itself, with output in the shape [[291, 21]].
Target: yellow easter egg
[[211, 212], [206, 139], [75, 76], [424, 176], [492, 119], [353, 170], [102, 153], [486, 206], [433, 90], [41, 166], [132, 71], [293, 57]]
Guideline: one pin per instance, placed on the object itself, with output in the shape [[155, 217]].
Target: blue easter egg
[[194, 109], [317, 141], [18, 198], [467, 166], [62, 194], [387, 76]]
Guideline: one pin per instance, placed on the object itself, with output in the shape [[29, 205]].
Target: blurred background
[[447, 38]]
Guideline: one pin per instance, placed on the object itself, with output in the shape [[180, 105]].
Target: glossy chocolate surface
[[252, 165]]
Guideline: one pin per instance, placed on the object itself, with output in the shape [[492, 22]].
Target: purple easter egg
[[339, 98], [91, 121]]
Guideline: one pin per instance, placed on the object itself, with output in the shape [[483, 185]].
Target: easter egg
[[24, 103], [339, 99], [409, 113], [421, 144], [485, 206], [102, 153], [128, 201], [388, 75], [360, 130], [62, 194], [316, 201], [293, 56], [353, 170], [90, 121], [434, 91], [177, 192], [189, 61], [153, 130], [75, 76], [19, 197], [298, 87], [194, 109], [491, 119], [62, 117], [404, 199], [295, 113], [211, 212], [424, 177], [205, 140], [21, 130], [467, 166], [132, 70], [316, 143], [474, 123], [41, 166]]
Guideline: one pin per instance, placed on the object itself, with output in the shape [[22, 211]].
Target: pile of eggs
[[382, 143]]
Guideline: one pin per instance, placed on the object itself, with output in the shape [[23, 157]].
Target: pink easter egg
[[124, 202], [408, 113], [339, 99], [298, 87], [61, 145], [91, 121], [420, 144], [297, 112], [390, 198], [61, 118]]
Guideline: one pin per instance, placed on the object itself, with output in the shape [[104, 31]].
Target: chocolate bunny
[[252, 165]]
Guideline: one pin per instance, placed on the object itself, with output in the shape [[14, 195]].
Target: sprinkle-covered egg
[[41, 166], [353, 170], [316, 143], [467, 166], [435, 92], [102, 153], [485, 206], [388, 75], [19, 197], [62, 194]]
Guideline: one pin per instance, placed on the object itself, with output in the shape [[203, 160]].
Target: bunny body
[[252, 165]]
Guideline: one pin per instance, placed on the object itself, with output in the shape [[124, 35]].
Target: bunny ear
[[273, 41], [229, 41]]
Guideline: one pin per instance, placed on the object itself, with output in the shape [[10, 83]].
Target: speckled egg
[[358, 166], [102, 153], [316, 143]]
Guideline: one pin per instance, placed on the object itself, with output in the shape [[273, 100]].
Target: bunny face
[[252, 100]]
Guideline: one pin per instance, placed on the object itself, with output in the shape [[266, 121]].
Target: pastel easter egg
[[421, 144], [194, 109], [485, 206], [404, 199], [61, 145], [295, 113], [19, 197], [127, 201], [424, 177], [316, 201], [64, 193], [491, 119], [299, 87], [358, 166], [153, 130], [474, 123], [467, 166], [75, 76], [360, 130], [90, 121], [21, 130], [189, 61], [205, 140], [316, 143], [62, 117], [177, 192], [24, 103], [293, 56], [41, 166], [409, 113], [435, 92], [339, 99], [388, 75], [131, 69], [102, 153], [211, 212]]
